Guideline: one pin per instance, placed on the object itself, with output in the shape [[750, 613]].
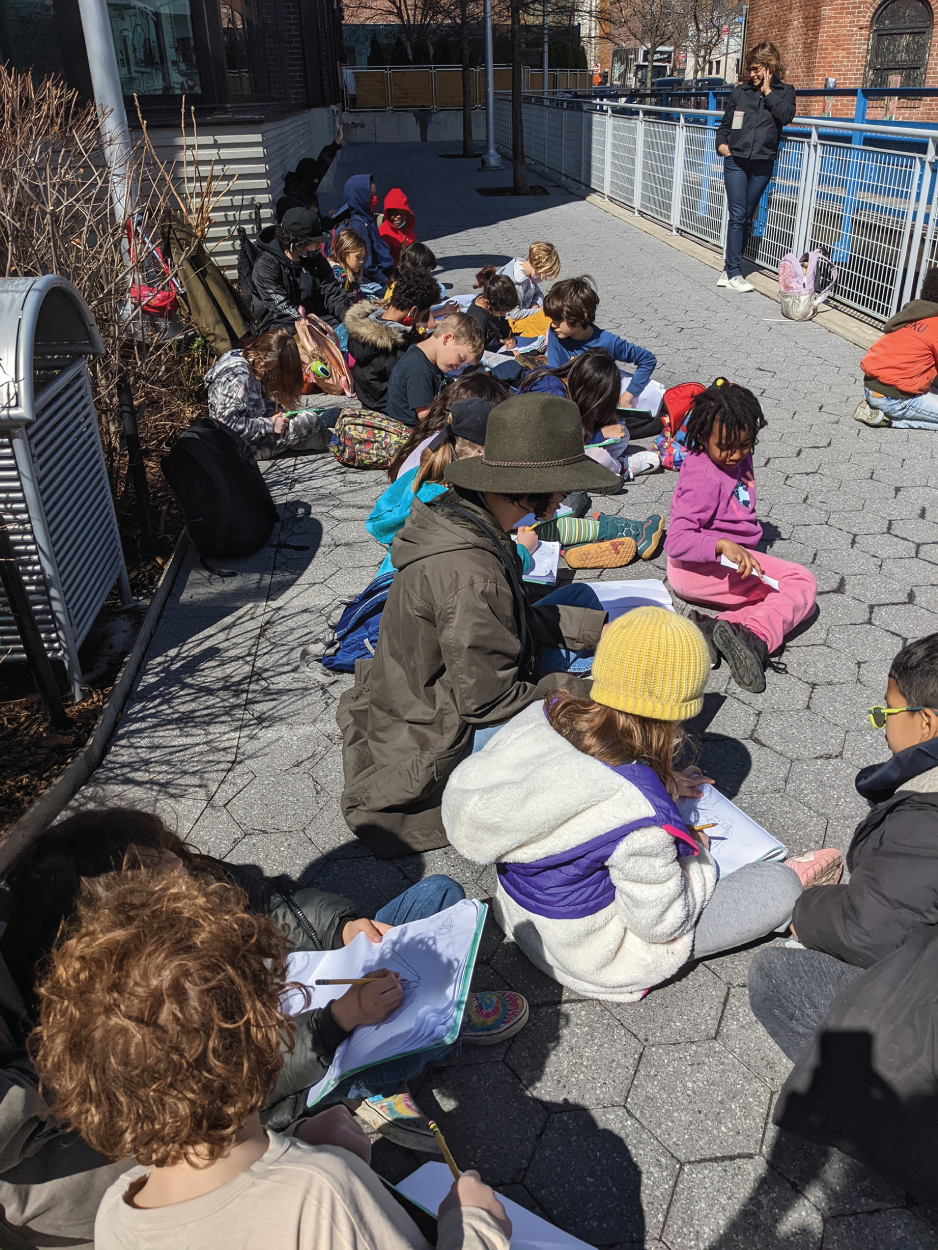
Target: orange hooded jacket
[[904, 362]]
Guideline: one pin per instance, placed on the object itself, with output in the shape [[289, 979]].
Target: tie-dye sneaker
[[399, 1119], [492, 1017]]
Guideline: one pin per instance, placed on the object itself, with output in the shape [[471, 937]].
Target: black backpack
[[226, 502]]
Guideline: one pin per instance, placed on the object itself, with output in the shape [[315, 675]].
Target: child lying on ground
[[46, 883], [599, 880], [527, 276], [593, 381], [489, 309], [250, 388], [713, 514], [571, 306], [379, 335], [418, 377], [162, 1035], [893, 861]]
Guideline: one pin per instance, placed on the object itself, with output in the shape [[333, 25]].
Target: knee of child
[[788, 889], [450, 889]]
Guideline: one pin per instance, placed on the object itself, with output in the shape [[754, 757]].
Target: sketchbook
[[736, 839], [434, 957], [546, 557], [429, 1185], [642, 592], [650, 398]]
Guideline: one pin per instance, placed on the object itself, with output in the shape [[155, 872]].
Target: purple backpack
[[798, 281]]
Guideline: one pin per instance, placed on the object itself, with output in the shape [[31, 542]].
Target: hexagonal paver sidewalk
[[627, 1124]]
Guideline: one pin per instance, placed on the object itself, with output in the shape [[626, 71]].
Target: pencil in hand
[[444, 1149], [345, 980]]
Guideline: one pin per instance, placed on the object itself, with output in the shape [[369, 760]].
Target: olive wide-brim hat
[[533, 445]]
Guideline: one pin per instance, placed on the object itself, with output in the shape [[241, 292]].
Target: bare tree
[[650, 24], [706, 25], [414, 17]]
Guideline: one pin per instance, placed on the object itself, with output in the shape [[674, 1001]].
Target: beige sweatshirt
[[297, 1197]]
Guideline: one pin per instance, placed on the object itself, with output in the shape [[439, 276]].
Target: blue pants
[[920, 412], [745, 181], [555, 659], [426, 898]]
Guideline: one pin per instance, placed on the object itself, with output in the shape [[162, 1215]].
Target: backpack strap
[[517, 590]]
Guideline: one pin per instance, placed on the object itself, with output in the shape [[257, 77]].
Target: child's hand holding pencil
[[468, 1189], [368, 1000]]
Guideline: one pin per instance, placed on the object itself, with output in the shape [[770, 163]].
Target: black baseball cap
[[304, 222], [469, 419]]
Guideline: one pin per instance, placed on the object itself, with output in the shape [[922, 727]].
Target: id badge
[[738, 120]]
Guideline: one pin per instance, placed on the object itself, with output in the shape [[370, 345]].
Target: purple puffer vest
[[576, 883]]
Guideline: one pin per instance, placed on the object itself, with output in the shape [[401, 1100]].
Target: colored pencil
[[444, 1150], [346, 980]]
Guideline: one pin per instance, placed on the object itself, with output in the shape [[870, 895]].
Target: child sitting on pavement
[[380, 334], [418, 377], [893, 860], [713, 515], [474, 384], [251, 389], [593, 381], [527, 276], [398, 229], [45, 885], [600, 882], [347, 258], [571, 306], [900, 371], [490, 307], [162, 1034]]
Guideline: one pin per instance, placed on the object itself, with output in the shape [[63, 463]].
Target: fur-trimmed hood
[[365, 323]]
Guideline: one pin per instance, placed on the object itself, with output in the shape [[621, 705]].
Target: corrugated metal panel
[[13, 507]]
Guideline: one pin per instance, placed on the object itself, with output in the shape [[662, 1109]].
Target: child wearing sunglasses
[[893, 862]]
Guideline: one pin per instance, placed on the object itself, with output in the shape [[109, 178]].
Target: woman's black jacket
[[764, 116]]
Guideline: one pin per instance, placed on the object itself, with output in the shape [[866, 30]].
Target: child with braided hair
[[713, 515]]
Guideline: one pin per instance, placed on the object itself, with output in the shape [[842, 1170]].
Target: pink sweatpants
[[747, 600]]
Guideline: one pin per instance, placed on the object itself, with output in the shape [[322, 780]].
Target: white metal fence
[[873, 208]]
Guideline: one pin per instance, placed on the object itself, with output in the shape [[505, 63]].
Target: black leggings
[[640, 425]]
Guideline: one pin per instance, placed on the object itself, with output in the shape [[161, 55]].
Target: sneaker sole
[[413, 1139], [492, 1039], [875, 420], [746, 671], [828, 876], [612, 554], [648, 546]]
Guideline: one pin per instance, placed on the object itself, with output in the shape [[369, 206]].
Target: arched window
[[900, 37]]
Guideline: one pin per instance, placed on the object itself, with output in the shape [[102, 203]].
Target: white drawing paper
[[546, 557], [650, 398], [736, 839], [434, 958], [769, 581], [642, 592]]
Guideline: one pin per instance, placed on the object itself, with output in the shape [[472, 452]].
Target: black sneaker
[[578, 502], [705, 624], [746, 654]]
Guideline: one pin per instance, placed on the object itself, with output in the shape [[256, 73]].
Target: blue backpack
[[356, 634]]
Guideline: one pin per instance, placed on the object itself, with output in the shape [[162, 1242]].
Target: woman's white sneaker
[[738, 284], [723, 280]]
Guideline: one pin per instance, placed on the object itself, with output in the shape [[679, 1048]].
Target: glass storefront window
[[155, 47], [236, 18]]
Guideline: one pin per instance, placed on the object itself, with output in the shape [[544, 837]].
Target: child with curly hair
[[713, 516], [161, 1033]]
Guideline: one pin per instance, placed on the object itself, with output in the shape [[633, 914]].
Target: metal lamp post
[[106, 83], [491, 159]]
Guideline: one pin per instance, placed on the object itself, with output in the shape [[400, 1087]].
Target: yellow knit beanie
[[651, 662]]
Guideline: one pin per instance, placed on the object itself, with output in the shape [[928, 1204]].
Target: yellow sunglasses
[[878, 714]]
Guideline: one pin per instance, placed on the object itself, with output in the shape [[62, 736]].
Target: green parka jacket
[[457, 651]]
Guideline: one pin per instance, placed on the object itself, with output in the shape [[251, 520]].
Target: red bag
[[155, 301], [676, 403]]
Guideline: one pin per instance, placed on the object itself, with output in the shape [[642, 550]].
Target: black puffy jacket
[[376, 346], [893, 862], [764, 116], [282, 285]]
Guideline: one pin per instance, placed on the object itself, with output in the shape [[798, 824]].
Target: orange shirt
[[906, 359]]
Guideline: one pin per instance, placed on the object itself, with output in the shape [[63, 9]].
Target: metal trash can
[[54, 489]]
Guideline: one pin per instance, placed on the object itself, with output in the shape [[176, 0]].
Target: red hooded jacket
[[396, 200]]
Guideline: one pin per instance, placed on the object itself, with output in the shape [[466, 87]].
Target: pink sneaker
[[817, 867]]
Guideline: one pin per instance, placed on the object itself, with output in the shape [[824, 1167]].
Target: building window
[[155, 47], [239, 31], [900, 38]]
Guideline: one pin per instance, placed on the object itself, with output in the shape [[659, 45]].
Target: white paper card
[[643, 592], [769, 581], [434, 957], [430, 1184], [546, 557], [650, 398], [736, 839]]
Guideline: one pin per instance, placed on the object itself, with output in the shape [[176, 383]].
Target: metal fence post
[[563, 136], [912, 267], [607, 161], [928, 241], [639, 153], [583, 178], [809, 192], [677, 173]]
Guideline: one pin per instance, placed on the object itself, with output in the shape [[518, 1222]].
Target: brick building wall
[[831, 39]]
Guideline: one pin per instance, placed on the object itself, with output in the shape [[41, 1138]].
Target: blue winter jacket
[[378, 260]]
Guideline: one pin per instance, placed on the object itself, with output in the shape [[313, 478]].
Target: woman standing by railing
[[748, 139]]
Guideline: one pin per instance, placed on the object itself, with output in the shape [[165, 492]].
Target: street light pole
[[109, 99], [491, 159], [544, 76]]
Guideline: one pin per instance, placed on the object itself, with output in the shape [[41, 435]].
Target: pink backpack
[[797, 282]]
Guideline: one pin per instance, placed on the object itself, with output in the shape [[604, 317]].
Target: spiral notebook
[[735, 838], [434, 957]]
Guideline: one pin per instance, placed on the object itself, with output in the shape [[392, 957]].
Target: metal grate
[[572, 142], [702, 195], [596, 124], [622, 160], [658, 144], [13, 506], [775, 225]]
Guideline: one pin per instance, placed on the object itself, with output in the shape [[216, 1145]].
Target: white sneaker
[[870, 416], [738, 284], [641, 462], [723, 280]]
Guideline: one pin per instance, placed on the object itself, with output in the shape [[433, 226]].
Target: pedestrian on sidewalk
[[713, 531], [747, 138]]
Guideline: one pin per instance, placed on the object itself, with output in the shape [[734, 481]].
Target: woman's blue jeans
[[426, 898], [745, 181]]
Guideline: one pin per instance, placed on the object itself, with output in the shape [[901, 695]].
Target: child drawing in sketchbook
[[713, 515], [600, 882]]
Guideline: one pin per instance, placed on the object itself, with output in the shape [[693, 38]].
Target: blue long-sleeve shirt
[[559, 351]]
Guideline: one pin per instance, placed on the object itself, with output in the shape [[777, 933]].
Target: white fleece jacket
[[529, 794]]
